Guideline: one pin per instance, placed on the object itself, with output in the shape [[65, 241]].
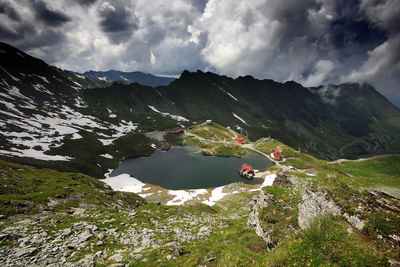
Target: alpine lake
[[181, 168]]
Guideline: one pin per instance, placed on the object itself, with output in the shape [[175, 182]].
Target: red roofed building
[[241, 140], [246, 171], [178, 131], [276, 155]]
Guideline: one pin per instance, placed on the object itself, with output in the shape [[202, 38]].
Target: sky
[[312, 42]]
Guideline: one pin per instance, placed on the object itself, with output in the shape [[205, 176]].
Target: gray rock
[[27, 251], [204, 231], [9, 236], [315, 204], [116, 257], [146, 242], [258, 202], [175, 248], [67, 231], [86, 206], [355, 221]]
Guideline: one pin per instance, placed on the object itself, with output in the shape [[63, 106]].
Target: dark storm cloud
[[9, 11], [310, 41], [47, 16], [116, 21]]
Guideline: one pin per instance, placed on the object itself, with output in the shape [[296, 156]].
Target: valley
[[68, 196]]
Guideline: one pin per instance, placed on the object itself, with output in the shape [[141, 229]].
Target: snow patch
[[76, 136], [41, 88], [32, 153], [144, 195], [108, 156], [181, 196], [174, 117], [79, 103], [268, 180], [106, 142], [239, 118], [12, 77], [124, 182], [43, 78], [216, 195]]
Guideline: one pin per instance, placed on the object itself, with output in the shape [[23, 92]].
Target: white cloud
[[322, 69]]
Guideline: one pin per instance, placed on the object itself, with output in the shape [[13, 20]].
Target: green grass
[[382, 222], [327, 243], [385, 167], [25, 189], [281, 215], [212, 131], [269, 146]]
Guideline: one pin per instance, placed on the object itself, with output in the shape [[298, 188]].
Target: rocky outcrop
[[258, 202], [315, 204], [283, 180]]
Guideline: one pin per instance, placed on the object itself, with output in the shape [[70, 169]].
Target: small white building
[[208, 121]]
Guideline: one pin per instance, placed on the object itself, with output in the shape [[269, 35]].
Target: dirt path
[[361, 159], [249, 146]]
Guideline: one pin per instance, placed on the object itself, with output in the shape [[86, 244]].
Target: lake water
[[180, 168]]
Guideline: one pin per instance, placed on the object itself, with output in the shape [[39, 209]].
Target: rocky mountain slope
[[52, 117], [127, 77], [322, 214]]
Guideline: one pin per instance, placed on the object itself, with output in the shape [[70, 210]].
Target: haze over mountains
[[49, 114]]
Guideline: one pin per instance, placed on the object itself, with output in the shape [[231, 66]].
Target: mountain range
[[128, 77], [55, 118]]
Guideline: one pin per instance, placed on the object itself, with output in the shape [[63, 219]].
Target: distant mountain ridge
[[131, 77], [52, 116]]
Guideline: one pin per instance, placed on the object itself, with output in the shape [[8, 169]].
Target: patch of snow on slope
[[216, 195], [79, 103], [174, 117], [122, 77], [229, 94], [42, 78], [124, 182], [232, 96], [239, 118], [41, 88], [11, 107], [12, 77], [103, 78], [76, 136], [106, 142], [269, 180], [80, 85], [32, 153], [15, 92], [6, 96], [82, 77], [111, 114], [108, 156], [181, 196]]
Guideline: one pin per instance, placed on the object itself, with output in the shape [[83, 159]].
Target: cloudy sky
[[310, 41]]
